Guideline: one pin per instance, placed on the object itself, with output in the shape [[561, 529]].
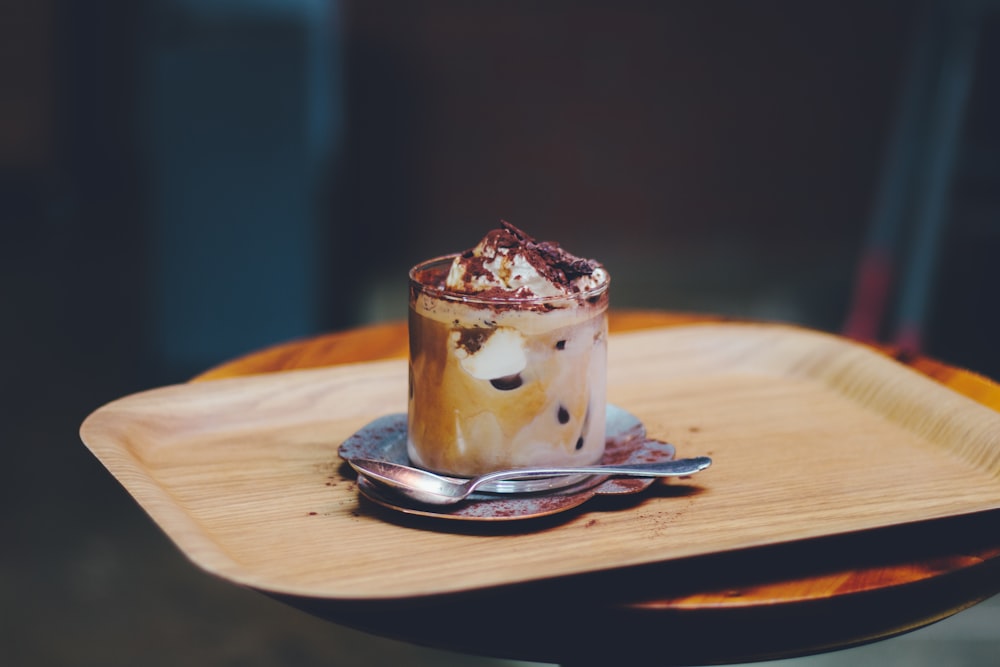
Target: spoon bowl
[[429, 488]]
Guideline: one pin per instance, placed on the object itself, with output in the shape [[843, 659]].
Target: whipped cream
[[508, 262]]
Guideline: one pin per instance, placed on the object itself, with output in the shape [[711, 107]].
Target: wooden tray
[[811, 436]]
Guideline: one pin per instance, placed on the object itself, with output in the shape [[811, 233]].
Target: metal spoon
[[431, 489]]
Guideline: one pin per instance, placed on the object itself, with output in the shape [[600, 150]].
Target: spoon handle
[[674, 468]]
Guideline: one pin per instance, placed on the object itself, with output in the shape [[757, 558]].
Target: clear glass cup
[[504, 382]]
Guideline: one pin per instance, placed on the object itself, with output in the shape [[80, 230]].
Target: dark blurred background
[[183, 181]]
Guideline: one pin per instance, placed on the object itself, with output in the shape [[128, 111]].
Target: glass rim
[[444, 293]]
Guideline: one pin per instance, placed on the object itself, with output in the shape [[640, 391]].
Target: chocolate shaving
[[548, 257]]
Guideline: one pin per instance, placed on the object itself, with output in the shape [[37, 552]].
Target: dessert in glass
[[508, 355]]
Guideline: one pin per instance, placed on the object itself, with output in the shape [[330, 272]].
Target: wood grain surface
[[812, 436], [752, 604]]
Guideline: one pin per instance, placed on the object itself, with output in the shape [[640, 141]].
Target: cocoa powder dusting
[[548, 257]]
